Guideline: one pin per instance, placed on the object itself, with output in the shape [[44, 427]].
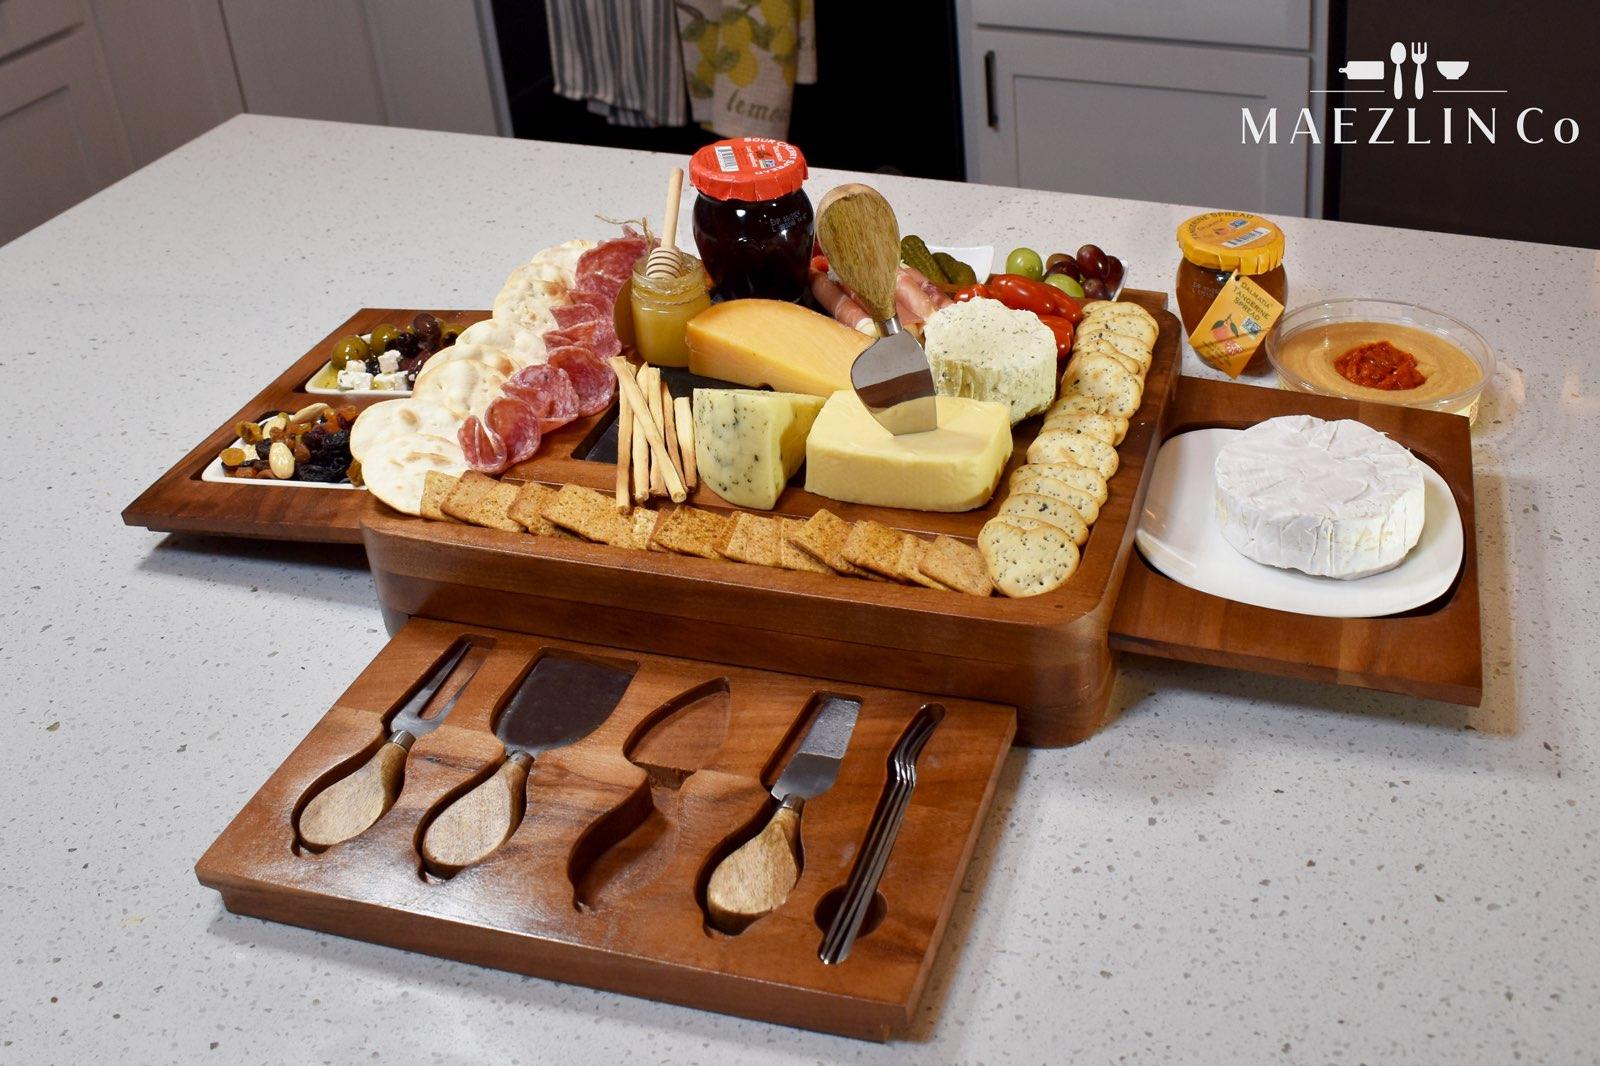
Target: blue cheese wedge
[[748, 443], [984, 350]]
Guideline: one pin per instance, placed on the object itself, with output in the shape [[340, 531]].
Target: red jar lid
[[747, 168]]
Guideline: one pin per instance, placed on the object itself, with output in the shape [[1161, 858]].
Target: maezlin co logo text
[[1399, 125]]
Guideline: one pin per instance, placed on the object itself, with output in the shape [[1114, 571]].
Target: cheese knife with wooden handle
[[348, 807], [755, 879], [861, 238]]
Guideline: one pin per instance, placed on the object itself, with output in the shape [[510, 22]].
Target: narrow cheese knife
[[759, 876], [559, 702], [861, 239], [348, 807]]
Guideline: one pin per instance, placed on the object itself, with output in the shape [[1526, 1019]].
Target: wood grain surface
[[556, 899]]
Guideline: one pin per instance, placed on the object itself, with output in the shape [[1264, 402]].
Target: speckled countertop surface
[[1240, 869]]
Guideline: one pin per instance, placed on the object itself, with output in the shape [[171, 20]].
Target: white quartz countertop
[[1238, 869]]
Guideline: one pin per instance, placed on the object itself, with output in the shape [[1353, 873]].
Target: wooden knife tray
[[602, 882]]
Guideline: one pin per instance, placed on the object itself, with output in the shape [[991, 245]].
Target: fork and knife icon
[[1372, 70]]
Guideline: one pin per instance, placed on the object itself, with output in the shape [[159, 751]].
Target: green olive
[[351, 347], [382, 335]]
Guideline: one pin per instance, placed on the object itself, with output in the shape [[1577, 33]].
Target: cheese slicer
[[861, 238], [559, 702], [348, 807]]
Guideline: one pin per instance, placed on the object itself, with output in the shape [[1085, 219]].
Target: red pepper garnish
[[979, 291]]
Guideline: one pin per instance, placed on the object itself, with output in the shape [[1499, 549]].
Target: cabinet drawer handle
[[988, 90]]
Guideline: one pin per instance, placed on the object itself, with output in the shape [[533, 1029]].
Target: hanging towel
[[622, 57], [743, 58]]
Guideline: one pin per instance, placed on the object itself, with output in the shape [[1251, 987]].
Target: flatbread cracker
[[436, 485], [528, 508], [482, 501], [691, 531], [792, 557], [956, 566], [823, 537], [753, 539], [591, 515]]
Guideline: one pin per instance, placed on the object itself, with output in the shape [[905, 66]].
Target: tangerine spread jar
[[1216, 245], [753, 222]]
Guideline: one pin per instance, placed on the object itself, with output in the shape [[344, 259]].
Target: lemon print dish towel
[[742, 60]]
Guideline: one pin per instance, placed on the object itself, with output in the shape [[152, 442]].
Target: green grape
[[1025, 261]]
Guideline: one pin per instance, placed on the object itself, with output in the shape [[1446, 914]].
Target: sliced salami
[[607, 266], [594, 380], [485, 451], [570, 315], [518, 425], [596, 300], [548, 391]]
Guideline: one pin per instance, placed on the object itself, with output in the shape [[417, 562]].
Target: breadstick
[[641, 451], [650, 385], [669, 416], [685, 421], [658, 447], [624, 454]]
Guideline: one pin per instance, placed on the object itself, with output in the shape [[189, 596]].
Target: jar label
[[1235, 324]]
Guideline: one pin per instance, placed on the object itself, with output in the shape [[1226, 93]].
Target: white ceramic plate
[[215, 471], [980, 257], [1178, 534], [323, 390]]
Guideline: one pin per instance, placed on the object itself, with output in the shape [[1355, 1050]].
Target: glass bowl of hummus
[[1382, 351]]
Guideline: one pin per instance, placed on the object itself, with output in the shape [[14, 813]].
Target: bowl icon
[[1452, 68]]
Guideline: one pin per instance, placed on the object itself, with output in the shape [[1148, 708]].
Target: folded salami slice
[[594, 380], [568, 316], [607, 266], [518, 425], [548, 391], [482, 446]]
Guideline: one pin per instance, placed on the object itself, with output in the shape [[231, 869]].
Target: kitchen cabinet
[[1089, 111]]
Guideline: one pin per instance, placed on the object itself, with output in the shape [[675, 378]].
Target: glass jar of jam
[[1217, 244], [753, 222]]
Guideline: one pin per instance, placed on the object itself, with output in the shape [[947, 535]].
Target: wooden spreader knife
[[559, 702], [758, 877], [861, 238], [351, 805]]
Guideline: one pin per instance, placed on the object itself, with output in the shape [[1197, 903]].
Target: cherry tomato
[[1061, 326], [979, 291], [1025, 294]]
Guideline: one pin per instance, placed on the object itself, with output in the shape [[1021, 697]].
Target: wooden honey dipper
[[665, 260]]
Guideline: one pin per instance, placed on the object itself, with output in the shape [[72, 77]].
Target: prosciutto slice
[[548, 391], [593, 379]]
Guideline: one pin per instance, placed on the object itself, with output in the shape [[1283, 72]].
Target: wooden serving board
[[603, 881], [180, 502], [1434, 651], [1047, 656]]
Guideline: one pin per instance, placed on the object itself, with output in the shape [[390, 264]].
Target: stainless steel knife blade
[[813, 768]]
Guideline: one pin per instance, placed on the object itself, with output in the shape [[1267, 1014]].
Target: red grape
[[1091, 261], [1113, 273], [1061, 263], [1094, 289]]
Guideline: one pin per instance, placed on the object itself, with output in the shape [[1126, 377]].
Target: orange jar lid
[[747, 168], [1232, 240]]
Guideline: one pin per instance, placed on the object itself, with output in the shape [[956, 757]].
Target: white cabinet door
[[60, 137], [1122, 118]]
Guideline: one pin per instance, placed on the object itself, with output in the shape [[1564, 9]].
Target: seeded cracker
[[590, 515], [823, 537], [956, 565], [791, 557], [874, 546], [691, 531], [528, 508], [436, 486], [481, 500], [753, 539]]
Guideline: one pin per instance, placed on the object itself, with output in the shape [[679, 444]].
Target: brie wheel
[[1333, 499]]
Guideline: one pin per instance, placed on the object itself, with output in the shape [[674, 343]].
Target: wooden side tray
[[1434, 651], [180, 502], [602, 882]]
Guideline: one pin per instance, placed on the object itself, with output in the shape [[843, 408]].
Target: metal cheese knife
[[759, 876], [350, 806], [861, 238], [559, 702]]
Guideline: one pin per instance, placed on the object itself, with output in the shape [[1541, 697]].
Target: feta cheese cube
[[388, 362], [394, 380], [354, 376]]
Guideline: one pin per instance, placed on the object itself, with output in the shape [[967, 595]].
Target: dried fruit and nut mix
[[312, 444]]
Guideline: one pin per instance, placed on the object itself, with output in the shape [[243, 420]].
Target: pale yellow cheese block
[[772, 342], [850, 457]]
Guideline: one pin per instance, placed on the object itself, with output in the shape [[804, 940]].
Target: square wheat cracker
[[691, 531], [436, 487], [959, 566], [528, 508], [823, 537], [591, 515], [874, 546], [791, 556], [753, 539], [481, 500]]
